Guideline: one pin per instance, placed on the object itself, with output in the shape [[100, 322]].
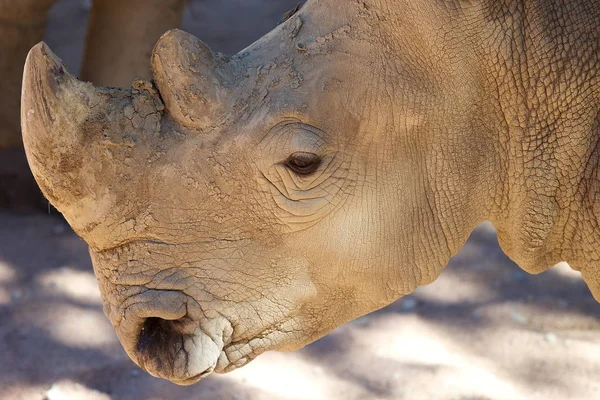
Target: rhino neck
[[512, 87], [542, 68]]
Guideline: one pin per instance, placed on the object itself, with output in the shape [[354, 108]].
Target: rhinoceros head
[[238, 205]]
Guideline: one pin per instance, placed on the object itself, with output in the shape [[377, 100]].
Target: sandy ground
[[484, 330]]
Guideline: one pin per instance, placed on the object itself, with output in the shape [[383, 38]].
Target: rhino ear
[[193, 81]]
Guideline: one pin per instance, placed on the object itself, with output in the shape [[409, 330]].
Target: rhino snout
[[167, 335]]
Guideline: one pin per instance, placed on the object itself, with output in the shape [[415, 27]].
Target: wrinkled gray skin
[[428, 118]]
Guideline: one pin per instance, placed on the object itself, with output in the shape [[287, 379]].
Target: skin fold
[[252, 203]]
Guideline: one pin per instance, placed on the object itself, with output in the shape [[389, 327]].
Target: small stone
[[519, 317], [550, 337]]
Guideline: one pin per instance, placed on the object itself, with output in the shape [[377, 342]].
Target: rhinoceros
[[234, 205]]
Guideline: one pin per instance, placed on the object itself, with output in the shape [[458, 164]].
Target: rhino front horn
[[193, 81], [54, 106], [83, 143]]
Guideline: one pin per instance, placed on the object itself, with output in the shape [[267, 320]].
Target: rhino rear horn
[[194, 82]]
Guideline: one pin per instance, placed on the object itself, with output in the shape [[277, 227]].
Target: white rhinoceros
[[244, 204]]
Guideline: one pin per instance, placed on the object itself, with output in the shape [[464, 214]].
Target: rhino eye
[[303, 163]]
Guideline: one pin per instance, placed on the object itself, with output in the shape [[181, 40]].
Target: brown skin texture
[[427, 117]]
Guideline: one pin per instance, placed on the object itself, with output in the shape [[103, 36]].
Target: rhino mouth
[[169, 349], [184, 353], [169, 336], [185, 350]]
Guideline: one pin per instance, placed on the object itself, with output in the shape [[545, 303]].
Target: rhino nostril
[[160, 343], [175, 349], [156, 334]]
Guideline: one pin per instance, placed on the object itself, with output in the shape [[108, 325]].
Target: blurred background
[[485, 330]]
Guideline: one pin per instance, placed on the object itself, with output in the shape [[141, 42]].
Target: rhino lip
[[168, 335], [193, 379]]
